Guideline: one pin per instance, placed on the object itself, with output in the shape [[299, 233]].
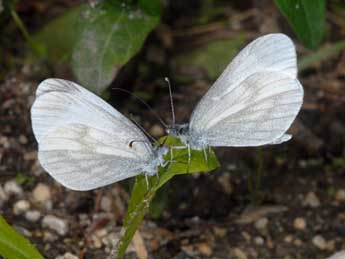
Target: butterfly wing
[[256, 98], [84, 143]]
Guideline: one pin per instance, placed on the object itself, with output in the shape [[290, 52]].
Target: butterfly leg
[[171, 157], [189, 157], [157, 175], [206, 157], [147, 182]]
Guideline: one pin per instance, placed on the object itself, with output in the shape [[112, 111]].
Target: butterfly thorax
[[183, 132]]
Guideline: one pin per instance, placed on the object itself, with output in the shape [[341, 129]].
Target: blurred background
[[282, 201]]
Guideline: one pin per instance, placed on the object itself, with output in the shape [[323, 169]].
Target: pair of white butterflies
[[84, 143]]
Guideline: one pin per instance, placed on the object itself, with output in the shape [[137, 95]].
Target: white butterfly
[[84, 143], [253, 102]]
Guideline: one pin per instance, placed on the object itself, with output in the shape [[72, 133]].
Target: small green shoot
[[13, 245], [142, 196], [254, 181], [23, 179]]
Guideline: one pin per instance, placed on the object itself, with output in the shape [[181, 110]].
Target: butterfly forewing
[[256, 98], [84, 143]]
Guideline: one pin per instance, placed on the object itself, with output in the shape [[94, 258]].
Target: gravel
[[56, 224], [41, 193], [261, 224], [340, 195], [299, 223], [319, 242], [67, 256], [20, 207], [32, 215], [12, 188], [259, 241], [312, 200]]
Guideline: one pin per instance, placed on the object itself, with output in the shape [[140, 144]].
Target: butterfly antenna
[[144, 130], [144, 103], [165, 139], [171, 101]]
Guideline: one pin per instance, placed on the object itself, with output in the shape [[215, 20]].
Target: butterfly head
[[177, 130]]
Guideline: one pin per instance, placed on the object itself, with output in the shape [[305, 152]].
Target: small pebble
[[49, 237], [41, 193], [157, 130], [338, 255], [96, 242], [32, 215], [55, 223], [225, 181], [261, 224], [205, 249], [101, 232], [297, 242], [189, 250], [239, 254], [12, 188], [20, 207], [319, 242], [110, 240], [299, 223], [312, 200], [246, 236], [219, 232], [340, 195], [259, 241], [288, 239], [67, 256], [106, 204], [23, 139]]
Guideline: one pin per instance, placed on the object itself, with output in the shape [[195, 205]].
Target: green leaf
[[111, 33], [321, 54], [306, 17], [159, 202], [13, 245], [211, 58], [153, 7], [142, 196], [58, 37]]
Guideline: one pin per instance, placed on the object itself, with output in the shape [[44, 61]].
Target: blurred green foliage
[[307, 18], [209, 59], [337, 164], [109, 35], [59, 36], [321, 54], [99, 40]]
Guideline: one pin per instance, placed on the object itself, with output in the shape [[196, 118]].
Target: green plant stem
[[321, 54], [254, 181], [141, 195], [33, 45], [259, 172]]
